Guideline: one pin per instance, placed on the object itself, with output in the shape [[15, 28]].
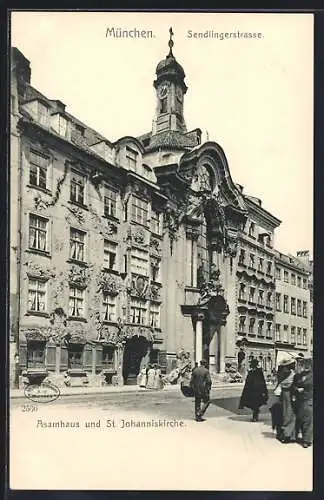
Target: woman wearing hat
[[255, 392], [303, 390], [284, 389]]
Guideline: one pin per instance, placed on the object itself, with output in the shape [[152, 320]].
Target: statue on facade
[[212, 287]]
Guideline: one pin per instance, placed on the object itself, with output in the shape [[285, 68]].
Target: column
[[199, 338], [221, 350], [120, 352]]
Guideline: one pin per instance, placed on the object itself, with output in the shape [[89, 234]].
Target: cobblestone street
[[225, 452]]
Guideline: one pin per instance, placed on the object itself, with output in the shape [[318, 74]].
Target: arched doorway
[[135, 353]]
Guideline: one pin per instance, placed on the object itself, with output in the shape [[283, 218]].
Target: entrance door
[[135, 349]]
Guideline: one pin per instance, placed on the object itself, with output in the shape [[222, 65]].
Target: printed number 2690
[[29, 408]]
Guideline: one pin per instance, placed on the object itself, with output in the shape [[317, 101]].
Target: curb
[[86, 392]]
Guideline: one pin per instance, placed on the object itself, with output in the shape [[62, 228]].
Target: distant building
[[127, 252], [293, 329]]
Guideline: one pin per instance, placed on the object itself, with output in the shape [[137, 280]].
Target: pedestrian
[[158, 384], [200, 384], [303, 391], [150, 377], [286, 375], [255, 392], [142, 378]]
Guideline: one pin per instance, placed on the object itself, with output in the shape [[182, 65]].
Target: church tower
[[170, 90]]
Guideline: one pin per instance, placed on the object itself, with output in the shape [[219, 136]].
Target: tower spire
[[170, 43]]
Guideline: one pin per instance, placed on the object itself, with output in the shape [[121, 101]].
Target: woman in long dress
[[150, 377], [286, 375], [255, 392], [158, 378], [142, 378]]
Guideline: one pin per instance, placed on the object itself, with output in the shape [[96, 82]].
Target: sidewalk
[[84, 391]]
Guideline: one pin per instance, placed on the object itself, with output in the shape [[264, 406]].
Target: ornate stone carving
[[231, 246], [192, 232], [40, 203], [35, 334], [78, 276], [138, 286], [139, 236], [216, 221], [109, 229], [154, 292], [212, 287], [155, 245], [77, 213], [40, 272], [109, 284]]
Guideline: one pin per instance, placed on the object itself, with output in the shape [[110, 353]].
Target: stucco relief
[[41, 272], [78, 276], [109, 284]]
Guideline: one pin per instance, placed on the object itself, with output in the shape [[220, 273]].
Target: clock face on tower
[[163, 89]]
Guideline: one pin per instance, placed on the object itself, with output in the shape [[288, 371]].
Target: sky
[[254, 97]]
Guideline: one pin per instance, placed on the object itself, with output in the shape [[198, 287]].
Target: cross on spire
[[171, 43]]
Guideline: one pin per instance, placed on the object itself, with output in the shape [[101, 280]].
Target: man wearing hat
[[255, 392], [201, 385], [303, 392]]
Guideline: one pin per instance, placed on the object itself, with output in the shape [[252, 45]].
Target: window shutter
[[87, 358], [99, 365], [51, 357], [64, 359], [23, 356], [162, 361]]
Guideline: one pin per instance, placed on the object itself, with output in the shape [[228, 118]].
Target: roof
[[172, 139]]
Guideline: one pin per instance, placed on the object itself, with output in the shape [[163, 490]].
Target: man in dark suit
[[302, 390], [201, 385]]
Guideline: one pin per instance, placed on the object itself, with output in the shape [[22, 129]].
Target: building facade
[[123, 253], [293, 328]]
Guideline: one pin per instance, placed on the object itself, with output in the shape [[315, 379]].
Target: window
[[305, 283], [285, 333], [242, 256], [110, 202], [36, 295], [108, 357], [269, 330], [260, 298], [109, 308], [278, 273], [242, 291], [278, 333], [138, 312], [299, 281], [35, 354], [155, 222], [63, 125], [110, 255], [252, 260], [139, 210], [293, 305], [260, 266], [278, 301], [269, 267], [260, 328], [304, 336], [38, 233], [242, 324], [155, 315], [42, 113], [251, 325], [75, 353], [251, 294], [139, 262], [77, 188], [286, 308], [125, 263], [251, 229], [293, 335], [164, 105], [299, 309], [298, 336], [131, 158], [293, 279], [286, 276], [304, 309], [38, 169], [76, 302], [269, 299], [77, 244]]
